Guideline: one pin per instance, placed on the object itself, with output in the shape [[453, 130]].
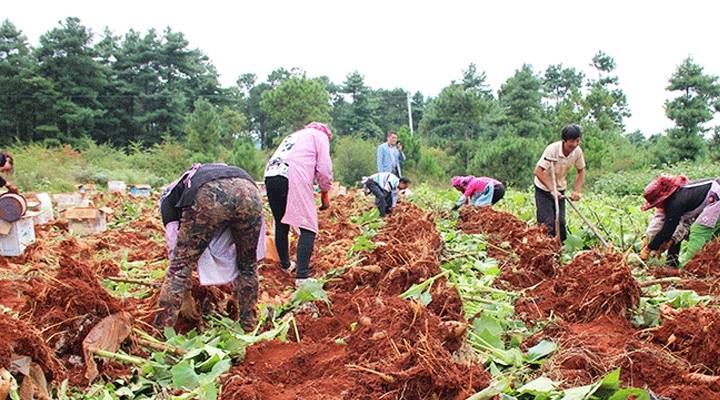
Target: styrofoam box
[[21, 235], [116, 187], [42, 217], [70, 200]]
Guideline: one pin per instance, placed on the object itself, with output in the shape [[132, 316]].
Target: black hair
[[5, 158], [404, 180], [571, 132]]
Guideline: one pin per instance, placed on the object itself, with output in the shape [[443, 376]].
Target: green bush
[[509, 159], [432, 167], [166, 160], [411, 147], [610, 151], [633, 182], [353, 159], [245, 156], [41, 167]]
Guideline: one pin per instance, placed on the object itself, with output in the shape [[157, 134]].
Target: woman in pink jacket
[[480, 192], [301, 158]]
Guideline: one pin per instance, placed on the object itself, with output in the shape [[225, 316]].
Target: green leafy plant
[[647, 314], [421, 291]]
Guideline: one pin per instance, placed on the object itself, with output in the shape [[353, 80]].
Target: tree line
[[143, 89]]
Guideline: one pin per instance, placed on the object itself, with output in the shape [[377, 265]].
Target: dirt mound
[[527, 255], [693, 334], [46, 246], [656, 369], [489, 220], [336, 235], [397, 347], [410, 343], [371, 341], [590, 286], [288, 371], [446, 303], [65, 307], [707, 261], [275, 284], [106, 268], [701, 283], [57, 225], [586, 350], [18, 338], [705, 287], [408, 254], [589, 350]]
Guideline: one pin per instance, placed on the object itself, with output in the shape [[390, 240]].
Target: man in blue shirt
[[390, 155]]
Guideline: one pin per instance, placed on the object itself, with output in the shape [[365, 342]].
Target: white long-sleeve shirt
[[387, 182]]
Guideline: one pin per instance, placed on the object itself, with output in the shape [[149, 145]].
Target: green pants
[[699, 235]]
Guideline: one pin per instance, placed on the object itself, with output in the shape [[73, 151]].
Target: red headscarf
[[660, 189]]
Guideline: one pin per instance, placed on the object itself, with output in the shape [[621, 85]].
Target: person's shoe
[[290, 269]]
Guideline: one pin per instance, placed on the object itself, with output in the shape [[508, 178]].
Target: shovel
[[588, 223], [555, 197]]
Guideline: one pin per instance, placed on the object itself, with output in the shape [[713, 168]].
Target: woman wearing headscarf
[[302, 158], [683, 210], [482, 191]]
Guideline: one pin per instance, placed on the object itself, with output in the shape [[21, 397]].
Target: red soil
[[534, 255], [371, 341], [706, 263], [19, 338], [590, 286], [694, 335]]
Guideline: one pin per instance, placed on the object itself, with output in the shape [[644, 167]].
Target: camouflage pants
[[231, 202]]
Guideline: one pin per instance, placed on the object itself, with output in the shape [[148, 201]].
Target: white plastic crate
[[16, 236]]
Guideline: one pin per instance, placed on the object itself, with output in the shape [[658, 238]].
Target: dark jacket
[[684, 200], [182, 196]]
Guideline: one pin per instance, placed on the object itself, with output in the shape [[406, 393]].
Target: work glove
[[172, 294], [325, 200], [665, 246]]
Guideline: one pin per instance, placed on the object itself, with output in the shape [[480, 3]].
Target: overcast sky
[[419, 45]]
